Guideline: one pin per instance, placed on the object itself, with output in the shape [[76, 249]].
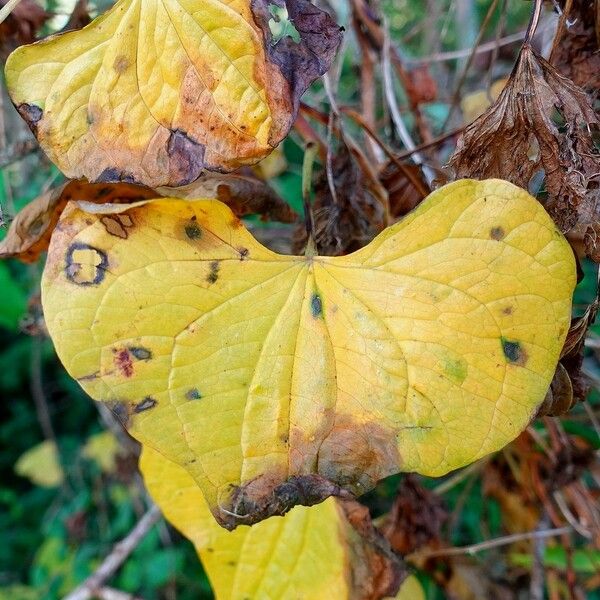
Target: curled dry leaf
[[279, 380], [30, 231], [415, 520], [541, 122], [403, 194], [569, 384], [327, 551], [244, 194], [154, 92], [578, 54], [357, 212]]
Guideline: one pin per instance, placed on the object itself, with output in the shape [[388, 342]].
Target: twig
[[533, 21], [116, 558], [399, 124], [513, 38], [455, 479], [37, 390], [309, 222], [495, 543], [463, 75], [7, 9], [107, 593]]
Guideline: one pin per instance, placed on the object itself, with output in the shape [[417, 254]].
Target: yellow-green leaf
[[153, 92], [275, 379], [41, 465], [311, 553], [102, 448]]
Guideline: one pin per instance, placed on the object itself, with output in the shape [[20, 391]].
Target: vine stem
[[7, 9], [310, 153], [533, 21]]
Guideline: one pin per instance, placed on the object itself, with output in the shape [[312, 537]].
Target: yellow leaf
[[274, 379], [311, 553], [103, 448], [411, 589], [41, 465], [153, 92]]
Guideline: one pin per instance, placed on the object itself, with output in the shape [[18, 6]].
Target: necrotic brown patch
[[32, 114]]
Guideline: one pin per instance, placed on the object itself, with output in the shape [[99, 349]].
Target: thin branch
[[533, 21], [560, 30], [513, 38], [495, 543], [399, 124], [463, 76], [7, 9], [116, 558], [107, 593]]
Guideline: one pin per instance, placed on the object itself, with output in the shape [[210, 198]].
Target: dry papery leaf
[[351, 218], [155, 92], [540, 124], [578, 53], [30, 231]]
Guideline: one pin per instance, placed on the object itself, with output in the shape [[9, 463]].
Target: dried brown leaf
[[30, 231], [21, 26], [416, 518], [577, 55], [357, 212], [541, 122]]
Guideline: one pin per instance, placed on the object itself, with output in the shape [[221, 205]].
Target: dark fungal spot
[[90, 272], [507, 310], [140, 353], [244, 253], [497, 233], [213, 276], [32, 114], [316, 305], [193, 394], [513, 351], [145, 404], [192, 230]]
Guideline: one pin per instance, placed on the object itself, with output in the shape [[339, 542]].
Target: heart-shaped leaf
[[326, 551], [274, 380], [153, 92]]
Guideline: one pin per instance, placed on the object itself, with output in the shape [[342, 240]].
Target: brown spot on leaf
[[357, 455], [112, 175], [497, 233], [121, 64], [244, 253], [116, 225], [192, 230], [507, 310]]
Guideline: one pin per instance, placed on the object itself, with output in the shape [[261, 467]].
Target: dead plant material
[[541, 123]]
